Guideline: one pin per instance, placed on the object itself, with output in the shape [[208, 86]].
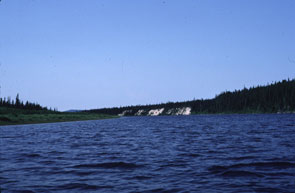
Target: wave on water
[[31, 155], [241, 173], [250, 169], [276, 165], [81, 186], [108, 165]]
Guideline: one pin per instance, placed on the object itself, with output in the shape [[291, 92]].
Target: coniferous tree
[[17, 101], [20, 104]]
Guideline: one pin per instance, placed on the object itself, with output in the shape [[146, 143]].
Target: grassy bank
[[12, 116]]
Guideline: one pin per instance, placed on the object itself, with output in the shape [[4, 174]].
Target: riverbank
[[271, 98], [19, 117]]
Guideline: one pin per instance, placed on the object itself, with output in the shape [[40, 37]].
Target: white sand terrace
[[155, 112]]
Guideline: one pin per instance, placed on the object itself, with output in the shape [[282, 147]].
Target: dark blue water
[[214, 153]]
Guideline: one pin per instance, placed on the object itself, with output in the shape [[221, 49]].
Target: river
[[197, 153]]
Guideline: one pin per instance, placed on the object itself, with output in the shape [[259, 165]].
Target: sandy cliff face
[[125, 112], [157, 112], [140, 112], [184, 111]]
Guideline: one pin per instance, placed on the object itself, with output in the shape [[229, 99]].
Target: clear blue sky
[[74, 54]]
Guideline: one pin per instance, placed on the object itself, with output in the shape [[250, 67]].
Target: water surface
[[201, 153]]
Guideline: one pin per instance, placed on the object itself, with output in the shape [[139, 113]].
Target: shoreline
[[103, 116]]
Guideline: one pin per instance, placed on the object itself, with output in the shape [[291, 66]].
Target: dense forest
[[18, 104], [272, 98]]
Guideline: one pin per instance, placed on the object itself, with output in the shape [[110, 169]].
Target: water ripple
[[201, 153]]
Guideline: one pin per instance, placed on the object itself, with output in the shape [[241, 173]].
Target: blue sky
[[86, 54]]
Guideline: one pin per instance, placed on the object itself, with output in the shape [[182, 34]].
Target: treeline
[[18, 104], [272, 98]]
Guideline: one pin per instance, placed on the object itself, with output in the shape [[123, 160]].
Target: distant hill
[[72, 111], [272, 98]]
